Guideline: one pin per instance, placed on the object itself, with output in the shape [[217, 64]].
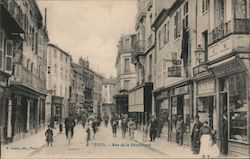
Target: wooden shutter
[[9, 55], [1, 49]]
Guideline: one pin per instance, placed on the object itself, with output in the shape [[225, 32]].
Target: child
[[60, 127], [88, 134], [114, 127], [49, 136]]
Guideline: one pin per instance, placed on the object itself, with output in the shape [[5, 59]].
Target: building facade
[[88, 77], [97, 93], [126, 73], [221, 71], [144, 61], [23, 69], [58, 83], [108, 91], [202, 62], [76, 90]]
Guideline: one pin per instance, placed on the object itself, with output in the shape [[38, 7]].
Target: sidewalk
[[24, 147], [170, 149]]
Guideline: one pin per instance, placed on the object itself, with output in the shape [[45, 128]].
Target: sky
[[90, 28]]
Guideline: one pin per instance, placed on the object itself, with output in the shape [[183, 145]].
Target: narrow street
[[103, 146]]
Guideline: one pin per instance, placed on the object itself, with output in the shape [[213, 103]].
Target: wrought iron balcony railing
[[232, 26], [26, 78]]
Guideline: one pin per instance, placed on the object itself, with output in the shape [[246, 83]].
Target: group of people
[[69, 130], [203, 140]]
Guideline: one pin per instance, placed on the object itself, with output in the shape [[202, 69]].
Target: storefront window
[[238, 107], [186, 114], [174, 113]]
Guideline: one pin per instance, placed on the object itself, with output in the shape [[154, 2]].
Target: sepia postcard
[[84, 79]]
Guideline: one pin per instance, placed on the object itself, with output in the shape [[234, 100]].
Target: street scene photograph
[[149, 79]]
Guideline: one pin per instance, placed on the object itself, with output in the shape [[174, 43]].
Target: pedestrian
[[145, 131], [94, 128], [60, 127], [179, 130], [88, 133], [69, 125], [195, 136], [161, 124], [224, 143], [206, 141], [124, 127], [49, 136], [114, 127], [131, 128], [106, 119], [83, 119], [153, 128]]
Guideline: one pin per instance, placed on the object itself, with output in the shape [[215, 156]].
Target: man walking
[[69, 125], [153, 128], [195, 136]]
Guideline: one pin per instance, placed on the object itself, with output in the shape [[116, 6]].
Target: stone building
[[97, 93], [23, 67], [108, 91], [76, 90], [58, 83], [126, 73]]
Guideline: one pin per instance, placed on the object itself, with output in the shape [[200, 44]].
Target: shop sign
[[163, 95], [228, 69], [206, 86], [181, 90], [3, 81]]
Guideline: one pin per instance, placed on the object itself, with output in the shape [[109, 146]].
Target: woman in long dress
[[208, 148]]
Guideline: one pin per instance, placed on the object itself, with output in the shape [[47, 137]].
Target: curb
[[152, 148]]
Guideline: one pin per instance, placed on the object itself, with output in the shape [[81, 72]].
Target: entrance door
[[224, 100], [180, 105]]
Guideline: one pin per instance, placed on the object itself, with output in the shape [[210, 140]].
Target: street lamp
[[200, 55]]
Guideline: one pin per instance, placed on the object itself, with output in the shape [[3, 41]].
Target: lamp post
[[200, 55]]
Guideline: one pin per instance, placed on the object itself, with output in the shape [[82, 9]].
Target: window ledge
[[240, 142]]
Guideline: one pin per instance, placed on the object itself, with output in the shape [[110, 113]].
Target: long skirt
[[206, 145]]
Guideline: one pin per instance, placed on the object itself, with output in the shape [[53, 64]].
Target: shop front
[[3, 105], [232, 92], [56, 110], [221, 98], [181, 105], [173, 101], [121, 102], [162, 111], [140, 99]]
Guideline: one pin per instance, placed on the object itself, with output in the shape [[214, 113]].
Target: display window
[[238, 108], [180, 106]]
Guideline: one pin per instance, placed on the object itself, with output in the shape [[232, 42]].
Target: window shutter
[[1, 49], [9, 54]]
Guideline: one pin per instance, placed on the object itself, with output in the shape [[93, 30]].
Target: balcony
[[237, 26], [228, 38], [150, 41], [26, 78], [12, 16], [139, 47]]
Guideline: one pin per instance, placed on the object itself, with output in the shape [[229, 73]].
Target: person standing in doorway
[[224, 143], [195, 136], [153, 128], [179, 130]]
